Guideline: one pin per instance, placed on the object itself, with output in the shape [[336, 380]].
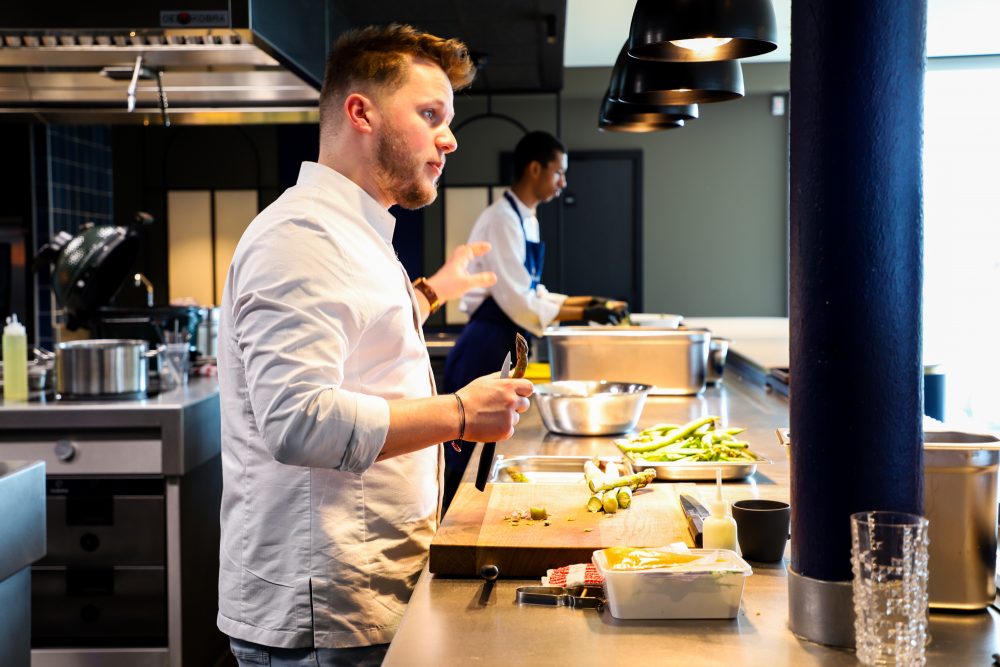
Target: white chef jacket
[[531, 309], [321, 546]]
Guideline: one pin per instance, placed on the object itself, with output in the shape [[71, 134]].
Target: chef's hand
[[606, 312], [493, 406], [453, 279]]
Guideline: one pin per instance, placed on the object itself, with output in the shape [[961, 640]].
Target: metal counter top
[[446, 622], [186, 419]]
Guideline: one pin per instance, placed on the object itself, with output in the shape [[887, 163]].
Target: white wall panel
[[189, 243], [234, 209], [462, 205]]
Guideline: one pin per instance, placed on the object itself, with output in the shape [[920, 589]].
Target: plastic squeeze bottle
[[719, 528], [15, 361]]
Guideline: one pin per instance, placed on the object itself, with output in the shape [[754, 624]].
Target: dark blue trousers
[[479, 350]]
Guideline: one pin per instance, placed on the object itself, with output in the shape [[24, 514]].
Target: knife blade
[[490, 448], [695, 513]]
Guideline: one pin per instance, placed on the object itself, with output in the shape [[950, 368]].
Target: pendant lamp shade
[[618, 116], [648, 82], [639, 126], [702, 30]]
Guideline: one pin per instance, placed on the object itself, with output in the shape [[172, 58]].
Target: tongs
[[574, 597]]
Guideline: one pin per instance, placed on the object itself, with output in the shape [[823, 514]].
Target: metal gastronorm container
[[672, 361], [694, 471], [545, 469], [960, 503]]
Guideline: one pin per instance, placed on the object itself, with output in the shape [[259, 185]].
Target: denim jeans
[[249, 654]]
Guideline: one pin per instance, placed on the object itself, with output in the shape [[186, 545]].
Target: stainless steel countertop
[[445, 623], [187, 420]]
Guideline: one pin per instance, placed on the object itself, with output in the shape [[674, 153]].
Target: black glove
[[622, 313], [601, 314]]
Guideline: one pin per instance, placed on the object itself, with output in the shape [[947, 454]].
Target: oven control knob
[[65, 450]]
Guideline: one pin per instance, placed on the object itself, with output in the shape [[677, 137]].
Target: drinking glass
[[889, 561], [178, 356]]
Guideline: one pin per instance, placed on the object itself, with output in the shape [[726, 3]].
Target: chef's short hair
[[538, 147], [376, 58]]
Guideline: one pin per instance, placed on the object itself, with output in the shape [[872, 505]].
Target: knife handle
[[695, 528], [485, 464]]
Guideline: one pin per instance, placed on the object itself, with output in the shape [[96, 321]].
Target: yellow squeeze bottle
[[719, 528], [15, 362]]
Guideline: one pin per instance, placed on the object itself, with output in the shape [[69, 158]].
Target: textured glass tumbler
[[889, 560]]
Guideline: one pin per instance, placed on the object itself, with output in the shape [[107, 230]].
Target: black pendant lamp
[[618, 116], [648, 82], [639, 126], [702, 30]]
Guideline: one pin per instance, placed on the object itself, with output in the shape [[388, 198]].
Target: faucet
[[143, 280]]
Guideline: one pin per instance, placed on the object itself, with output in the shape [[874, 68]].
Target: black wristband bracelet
[[461, 417]]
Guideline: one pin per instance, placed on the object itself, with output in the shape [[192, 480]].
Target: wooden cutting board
[[475, 533]]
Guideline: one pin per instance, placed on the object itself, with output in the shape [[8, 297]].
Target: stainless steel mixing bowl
[[574, 407]]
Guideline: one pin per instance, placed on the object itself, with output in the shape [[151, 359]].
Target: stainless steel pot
[[102, 368]]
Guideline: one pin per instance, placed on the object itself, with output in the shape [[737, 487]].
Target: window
[[962, 234]]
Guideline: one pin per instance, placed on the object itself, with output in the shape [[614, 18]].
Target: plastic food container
[[710, 587]]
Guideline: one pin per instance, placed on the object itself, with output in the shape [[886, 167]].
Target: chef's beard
[[400, 173]]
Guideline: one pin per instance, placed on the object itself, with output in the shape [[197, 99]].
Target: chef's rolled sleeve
[[295, 341]]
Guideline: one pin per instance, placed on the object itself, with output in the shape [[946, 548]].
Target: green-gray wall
[[714, 193]]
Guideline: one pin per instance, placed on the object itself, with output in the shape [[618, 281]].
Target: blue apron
[[481, 348]]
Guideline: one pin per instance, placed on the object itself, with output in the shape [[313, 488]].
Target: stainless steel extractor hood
[[219, 61], [150, 62]]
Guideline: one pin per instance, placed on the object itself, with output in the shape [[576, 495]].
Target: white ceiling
[[596, 29]]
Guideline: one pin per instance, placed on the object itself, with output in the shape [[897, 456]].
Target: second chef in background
[[518, 302]]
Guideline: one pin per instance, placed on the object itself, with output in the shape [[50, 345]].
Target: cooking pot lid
[[107, 273]]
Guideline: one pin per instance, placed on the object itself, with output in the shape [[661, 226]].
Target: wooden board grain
[[475, 533]]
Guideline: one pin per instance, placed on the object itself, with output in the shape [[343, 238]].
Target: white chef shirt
[[321, 545], [531, 309]]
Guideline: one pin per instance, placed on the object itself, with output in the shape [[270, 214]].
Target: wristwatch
[[424, 287]]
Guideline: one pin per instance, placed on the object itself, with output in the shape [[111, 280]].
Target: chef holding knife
[[518, 303], [330, 426]]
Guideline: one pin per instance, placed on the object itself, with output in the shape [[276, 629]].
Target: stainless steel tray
[[697, 470], [549, 469]]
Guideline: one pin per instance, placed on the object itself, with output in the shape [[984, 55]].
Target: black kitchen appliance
[[88, 270]]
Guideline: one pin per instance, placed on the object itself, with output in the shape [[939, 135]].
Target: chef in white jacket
[[330, 422], [518, 303]]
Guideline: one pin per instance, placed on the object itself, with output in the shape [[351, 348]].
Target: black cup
[[762, 528]]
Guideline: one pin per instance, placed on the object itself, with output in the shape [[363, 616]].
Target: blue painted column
[[857, 78]]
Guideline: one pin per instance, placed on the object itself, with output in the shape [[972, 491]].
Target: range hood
[[242, 61]]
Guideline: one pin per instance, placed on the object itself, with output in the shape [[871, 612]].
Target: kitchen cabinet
[[22, 542], [132, 493]]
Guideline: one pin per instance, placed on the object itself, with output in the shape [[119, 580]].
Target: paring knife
[[696, 514], [490, 448]]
